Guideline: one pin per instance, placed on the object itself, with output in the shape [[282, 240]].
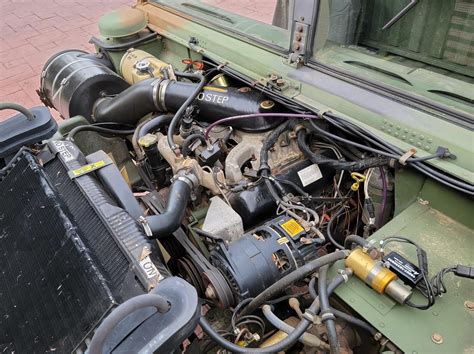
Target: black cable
[[177, 117], [207, 234], [185, 146], [280, 346], [416, 163], [329, 228], [98, 129], [318, 159], [355, 321], [289, 279], [283, 298], [349, 240], [423, 265], [154, 124]]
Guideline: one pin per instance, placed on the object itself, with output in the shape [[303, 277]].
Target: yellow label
[[283, 240], [292, 227], [88, 168]]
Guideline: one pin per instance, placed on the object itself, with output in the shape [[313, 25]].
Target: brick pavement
[[31, 31]]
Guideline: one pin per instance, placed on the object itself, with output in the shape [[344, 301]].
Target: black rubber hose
[[154, 124], [291, 339], [289, 279], [185, 146], [329, 228], [177, 117], [121, 312], [163, 225], [326, 314], [307, 338], [128, 106], [19, 108], [338, 164], [355, 321], [97, 129], [354, 239], [335, 282]]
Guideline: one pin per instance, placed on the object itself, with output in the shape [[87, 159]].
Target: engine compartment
[[245, 194]]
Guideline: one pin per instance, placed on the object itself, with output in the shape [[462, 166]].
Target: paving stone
[[33, 30]]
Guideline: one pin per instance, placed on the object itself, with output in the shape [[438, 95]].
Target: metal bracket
[[304, 15]]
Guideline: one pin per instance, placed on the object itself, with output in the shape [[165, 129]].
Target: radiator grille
[[111, 261], [52, 290]]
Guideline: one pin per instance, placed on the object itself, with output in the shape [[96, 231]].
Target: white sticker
[[150, 269], [310, 174]]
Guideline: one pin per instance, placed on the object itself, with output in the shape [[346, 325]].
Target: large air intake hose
[[154, 95], [73, 80], [78, 83]]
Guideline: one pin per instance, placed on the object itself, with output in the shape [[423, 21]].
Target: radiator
[[68, 255]]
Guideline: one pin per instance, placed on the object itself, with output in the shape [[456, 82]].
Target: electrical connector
[[464, 271]]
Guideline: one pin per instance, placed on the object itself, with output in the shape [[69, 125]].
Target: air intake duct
[[155, 95], [73, 80]]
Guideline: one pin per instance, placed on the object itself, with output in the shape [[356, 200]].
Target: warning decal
[[292, 227]]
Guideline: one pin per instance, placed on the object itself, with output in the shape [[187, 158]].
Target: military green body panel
[[408, 185], [451, 91], [447, 243], [239, 25], [121, 23], [415, 128], [412, 128], [433, 32]]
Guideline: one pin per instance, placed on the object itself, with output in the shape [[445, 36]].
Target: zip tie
[[327, 316], [322, 112], [311, 317], [220, 66], [403, 159]]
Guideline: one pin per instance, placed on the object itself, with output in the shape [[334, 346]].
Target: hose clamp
[[189, 178], [159, 97], [146, 227], [327, 315], [311, 317], [344, 275]]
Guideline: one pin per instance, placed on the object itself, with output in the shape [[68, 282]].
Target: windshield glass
[[424, 47], [265, 21]]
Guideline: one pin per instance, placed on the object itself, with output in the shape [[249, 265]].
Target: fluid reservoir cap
[[122, 23]]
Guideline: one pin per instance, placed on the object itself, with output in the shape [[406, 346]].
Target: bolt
[[297, 47], [437, 338], [210, 292], [300, 29], [298, 37], [280, 82], [469, 305]]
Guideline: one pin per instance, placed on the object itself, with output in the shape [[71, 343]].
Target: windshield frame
[[454, 115], [248, 38]]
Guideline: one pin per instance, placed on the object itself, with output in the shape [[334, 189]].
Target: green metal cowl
[[122, 23]]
